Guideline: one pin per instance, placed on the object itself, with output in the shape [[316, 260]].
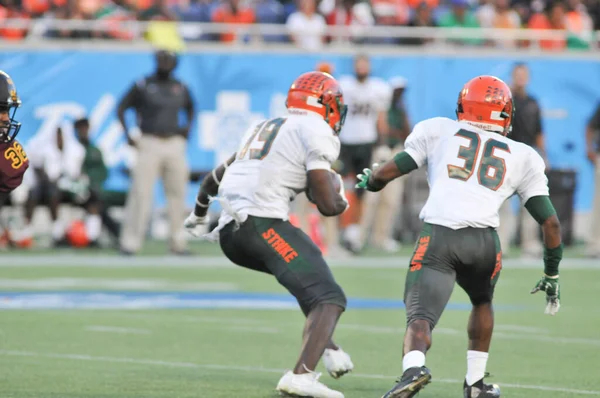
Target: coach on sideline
[[161, 151]]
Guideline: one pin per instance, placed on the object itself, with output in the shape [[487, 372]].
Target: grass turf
[[242, 353]]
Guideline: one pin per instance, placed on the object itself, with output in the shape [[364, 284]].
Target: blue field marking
[[174, 300]]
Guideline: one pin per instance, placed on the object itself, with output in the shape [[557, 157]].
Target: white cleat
[[305, 385], [337, 362]]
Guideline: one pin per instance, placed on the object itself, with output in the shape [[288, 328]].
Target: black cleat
[[481, 390], [411, 382]]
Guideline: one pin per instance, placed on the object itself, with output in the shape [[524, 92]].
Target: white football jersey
[[365, 100], [471, 172], [271, 164]]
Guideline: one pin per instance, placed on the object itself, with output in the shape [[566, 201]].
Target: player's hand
[[193, 224], [550, 285], [363, 179], [342, 190]]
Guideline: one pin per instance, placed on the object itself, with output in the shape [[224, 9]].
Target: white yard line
[[115, 284], [103, 261], [253, 329], [115, 329], [523, 333], [520, 329], [79, 357]]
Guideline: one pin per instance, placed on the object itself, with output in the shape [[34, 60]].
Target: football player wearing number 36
[[276, 160], [473, 167]]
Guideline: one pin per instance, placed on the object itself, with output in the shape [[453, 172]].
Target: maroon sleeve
[[13, 165]]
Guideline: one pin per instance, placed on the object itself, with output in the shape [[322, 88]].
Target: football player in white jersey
[[472, 169], [277, 159], [368, 99]]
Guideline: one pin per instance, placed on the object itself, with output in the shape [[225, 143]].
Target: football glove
[[342, 190], [194, 224], [363, 179], [550, 285]]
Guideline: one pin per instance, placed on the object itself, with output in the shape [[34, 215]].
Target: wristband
[[373, 186], [552, 259]]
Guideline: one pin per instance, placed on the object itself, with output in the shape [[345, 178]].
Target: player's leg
[[141, 194], [176, 176], [331, 229], [54, 197], [34, 197], [593, 238], [298, 265], [278, 248], [93, 220], [386, 216], [379, 216], [478, 273], [429, 284], [360, 157]]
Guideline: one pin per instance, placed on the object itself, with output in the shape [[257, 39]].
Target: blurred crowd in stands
[[306, 20]]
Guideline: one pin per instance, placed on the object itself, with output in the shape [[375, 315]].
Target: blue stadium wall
[[231, 89]]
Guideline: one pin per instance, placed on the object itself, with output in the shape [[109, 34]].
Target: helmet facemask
[[9, 128]]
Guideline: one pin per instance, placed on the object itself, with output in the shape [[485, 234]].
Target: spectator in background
[[592, 136], [579, 25], [553, 19], [51, 159], [527, 129], [86, 188], [368, 99], [114, 13], [421, 18], [431, 4], [8, 10], [390, 12], [159, 10], [232, 12], [497, 14], [460, 16], [157, 100], [381, 211], [351, 13], [306, 27]]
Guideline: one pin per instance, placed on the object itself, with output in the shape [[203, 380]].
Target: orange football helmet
[[319, 92], [486, 102]]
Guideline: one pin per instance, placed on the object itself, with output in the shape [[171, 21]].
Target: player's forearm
[[333, 208], [400, 165], [322, 192], [542, 210], [553, 248], [210, 187]]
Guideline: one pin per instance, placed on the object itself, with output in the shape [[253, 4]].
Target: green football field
[[93, 324]]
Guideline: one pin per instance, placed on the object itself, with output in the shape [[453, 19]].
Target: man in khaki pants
[[161, 151], [592, 140], [381, 210]]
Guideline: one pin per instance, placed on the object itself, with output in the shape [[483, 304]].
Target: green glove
[[550, 285], [363, 179]]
